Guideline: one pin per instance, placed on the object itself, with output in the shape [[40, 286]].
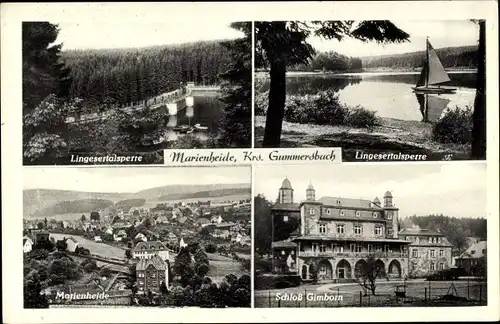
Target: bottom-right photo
[[383, 235]]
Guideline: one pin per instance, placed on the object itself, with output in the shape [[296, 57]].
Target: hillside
[[122, 76], [461, 56], [46, 202], [207, 194]]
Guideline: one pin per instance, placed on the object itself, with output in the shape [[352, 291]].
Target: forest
[[461, 56], [123, 76], [332, 62]]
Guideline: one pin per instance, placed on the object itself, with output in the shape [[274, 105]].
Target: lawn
[[101, 249]]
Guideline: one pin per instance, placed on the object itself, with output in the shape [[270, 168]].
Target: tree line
[[332, 62], [461, 56], [122, 76]]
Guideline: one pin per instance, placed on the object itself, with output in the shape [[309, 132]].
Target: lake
[[207, 110], [387, 93]]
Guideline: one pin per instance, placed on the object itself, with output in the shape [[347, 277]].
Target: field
[[220, 266], [101, 249], [419, 293]]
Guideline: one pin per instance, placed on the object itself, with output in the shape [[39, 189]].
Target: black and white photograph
[[134, 88], [379, 236], [372, 87], [131, 237]]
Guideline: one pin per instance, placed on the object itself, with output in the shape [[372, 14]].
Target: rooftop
[[286, 206], [155, 260], [348, 202], [153, 245], [345, 238], [419, 231]]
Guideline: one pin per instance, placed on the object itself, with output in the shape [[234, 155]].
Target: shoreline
[[368, 71], [390, 135]]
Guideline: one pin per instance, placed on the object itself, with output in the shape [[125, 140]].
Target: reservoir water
[[387, 93]]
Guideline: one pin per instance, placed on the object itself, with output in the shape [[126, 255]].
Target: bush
[[454, 127], [360, 117], [211, 248]]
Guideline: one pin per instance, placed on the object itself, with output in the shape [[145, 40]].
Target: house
[[246, 240], [162, 220], [182, 244], [225, 225], [109, 230], [429, 251], [145, 250], [236, 238], [221, 233], [120, 235], [97, 239], [216, 219], [171, 238], [72, 244], [473, 260], [141, 237], [27, 244], [335, 235], [151, 273], [203, 221]]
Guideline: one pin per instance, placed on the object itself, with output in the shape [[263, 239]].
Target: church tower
[[391, 216], [310, 193], [285, 195]]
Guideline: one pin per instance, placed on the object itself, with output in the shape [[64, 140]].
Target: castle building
[[429, 251], [146, 250], [334, 236]]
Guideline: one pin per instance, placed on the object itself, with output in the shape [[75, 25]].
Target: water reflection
[[431, 106]]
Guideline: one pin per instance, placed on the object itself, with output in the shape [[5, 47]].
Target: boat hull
[[433, 90]]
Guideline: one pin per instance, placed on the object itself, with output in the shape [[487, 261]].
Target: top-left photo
[[119, 92]]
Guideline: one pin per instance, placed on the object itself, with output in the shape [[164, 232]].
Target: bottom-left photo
[[137, 236]]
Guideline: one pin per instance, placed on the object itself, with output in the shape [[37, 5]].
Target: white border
[[13, 13]]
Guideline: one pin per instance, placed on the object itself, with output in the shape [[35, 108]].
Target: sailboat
[[433, 74]]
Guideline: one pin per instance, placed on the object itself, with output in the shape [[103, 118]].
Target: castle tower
[[391, 216], [310, 193], [388, 199], [376, 202], [285, 195]]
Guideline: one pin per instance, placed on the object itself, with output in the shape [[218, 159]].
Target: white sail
[[436, 71]]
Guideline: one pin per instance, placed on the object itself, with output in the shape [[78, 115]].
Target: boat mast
[[427, 61]]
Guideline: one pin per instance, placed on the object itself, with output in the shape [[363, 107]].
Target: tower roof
[[387, 194], [376, 200], [286, 184], [310, 187]]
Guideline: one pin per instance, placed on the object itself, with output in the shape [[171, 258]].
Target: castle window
[[439, 240], [441, 253], [389, 215], [340, 228], [408, 238], [285, 218], [417, 240], [311, 211], [414, 253], [390, 231], [441, 266], [370, 248], [378, 230], [473, 252], [342, 213], [358, 229], [375, 214], [358, 214], [433, 266], [338, 248], [433, 253], [314, 247], [328, 211], [339, 202], [322, 269], [483, 251], [322, 248], [322, 228], [378, 247], [358, 248]]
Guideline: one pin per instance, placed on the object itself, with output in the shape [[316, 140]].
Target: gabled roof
[[156, 261], [477, 248], [72, 239], [153, 245], [348, 202], [419, 231]]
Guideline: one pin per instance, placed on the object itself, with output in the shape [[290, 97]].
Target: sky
[[88, 34], [457, 189], [129, 179], [442, 33]]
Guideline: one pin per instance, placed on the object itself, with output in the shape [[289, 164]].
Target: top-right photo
[[381, 90]]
